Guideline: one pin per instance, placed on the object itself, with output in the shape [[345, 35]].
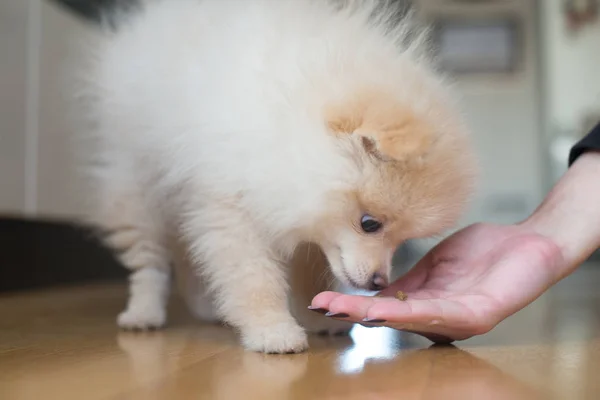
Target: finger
[[427, 312], [437, 333], [438, 320], [431, 315], [323, 299], [355, 308]]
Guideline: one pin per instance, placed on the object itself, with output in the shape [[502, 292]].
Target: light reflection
[[369, 343]]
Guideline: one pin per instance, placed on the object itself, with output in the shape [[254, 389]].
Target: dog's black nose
[[378, 282]]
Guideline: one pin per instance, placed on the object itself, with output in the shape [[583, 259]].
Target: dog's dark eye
[[370, 224]]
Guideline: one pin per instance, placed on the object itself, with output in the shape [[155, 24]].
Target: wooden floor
[[63, 344]]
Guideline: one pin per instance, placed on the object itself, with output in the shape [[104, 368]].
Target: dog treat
[[400, 295]]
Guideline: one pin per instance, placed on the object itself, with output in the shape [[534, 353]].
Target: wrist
[[570, 215]]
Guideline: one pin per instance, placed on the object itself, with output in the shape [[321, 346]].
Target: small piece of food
[[400, 295]]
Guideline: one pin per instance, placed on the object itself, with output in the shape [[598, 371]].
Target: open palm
[[464, 287]]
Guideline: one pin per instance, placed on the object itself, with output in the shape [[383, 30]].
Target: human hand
[[464, 287]]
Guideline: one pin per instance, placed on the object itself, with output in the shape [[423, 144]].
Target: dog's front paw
[[142, 318], [282, 338]]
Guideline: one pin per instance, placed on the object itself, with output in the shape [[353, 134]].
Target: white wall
[[573, 67], [571, 80], [58, 187], [37, 173], [503, 113], [13, 103]]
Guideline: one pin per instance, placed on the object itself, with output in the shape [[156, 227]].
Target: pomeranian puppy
[[231, 137]]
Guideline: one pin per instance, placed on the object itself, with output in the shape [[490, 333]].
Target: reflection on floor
[[63, 344]]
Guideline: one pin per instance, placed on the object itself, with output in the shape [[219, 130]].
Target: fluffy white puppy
[[229, 135]]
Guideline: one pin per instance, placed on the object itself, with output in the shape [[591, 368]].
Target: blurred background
[[528, 72]]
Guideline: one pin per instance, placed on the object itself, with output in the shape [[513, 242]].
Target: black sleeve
[[590, 142]]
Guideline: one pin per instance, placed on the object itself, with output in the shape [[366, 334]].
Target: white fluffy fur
[[209, 134]]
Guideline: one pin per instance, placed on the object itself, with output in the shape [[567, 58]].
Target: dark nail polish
[[338, 315], [318, 310], [375, 320]]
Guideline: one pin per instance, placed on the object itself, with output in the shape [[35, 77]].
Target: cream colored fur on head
[[231, 137]]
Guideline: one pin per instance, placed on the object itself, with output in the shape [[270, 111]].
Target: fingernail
[[338, 315], [318, 310], [375, 320]]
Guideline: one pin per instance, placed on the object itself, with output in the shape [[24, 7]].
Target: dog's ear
[[395, 135], [387, 131]]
